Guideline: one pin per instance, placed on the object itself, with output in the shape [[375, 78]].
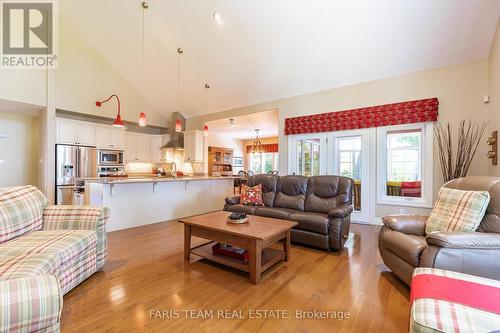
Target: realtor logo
[[28, 34]]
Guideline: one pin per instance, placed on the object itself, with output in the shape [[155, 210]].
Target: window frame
[[293, 161], [426, 163], [262, 165]]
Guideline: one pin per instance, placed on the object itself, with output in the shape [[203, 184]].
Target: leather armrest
[[407, 224], [233, 200], [340, 211], [464, 240]]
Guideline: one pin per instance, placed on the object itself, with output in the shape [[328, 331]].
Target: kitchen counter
[[153, 179], [136, 201]]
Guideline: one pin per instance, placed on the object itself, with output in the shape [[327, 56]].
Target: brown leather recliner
[[321, 205], [404, 245]]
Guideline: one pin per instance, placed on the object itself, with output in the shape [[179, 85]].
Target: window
[[350, 157], [308, 157], [263, 163], [405, 165]]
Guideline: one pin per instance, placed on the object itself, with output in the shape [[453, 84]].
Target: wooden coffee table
[[256, 236]]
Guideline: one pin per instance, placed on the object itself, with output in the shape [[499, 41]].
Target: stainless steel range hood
[[176, 139]]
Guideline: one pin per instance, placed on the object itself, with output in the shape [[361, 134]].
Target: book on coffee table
[[230, 251]]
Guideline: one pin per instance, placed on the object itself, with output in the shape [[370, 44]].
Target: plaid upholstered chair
[[45, 251], [404, 244]]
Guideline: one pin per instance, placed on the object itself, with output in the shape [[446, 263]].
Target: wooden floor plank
[[146, 271]]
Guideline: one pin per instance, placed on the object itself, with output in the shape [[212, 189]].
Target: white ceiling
[[270, 49], [245, 126]]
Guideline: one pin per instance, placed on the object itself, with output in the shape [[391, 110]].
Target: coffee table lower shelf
[[270, 257]]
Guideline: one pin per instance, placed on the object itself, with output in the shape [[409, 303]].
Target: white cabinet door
[[86, 135], [102, 137], [131, 147], [158, 155], [144, 148], [193, 146], [117, 138], [66, 133]]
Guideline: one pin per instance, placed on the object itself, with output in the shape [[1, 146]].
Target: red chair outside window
[[411, 189]]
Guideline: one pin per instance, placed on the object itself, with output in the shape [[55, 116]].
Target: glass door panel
[[350, 157], [308, 155]]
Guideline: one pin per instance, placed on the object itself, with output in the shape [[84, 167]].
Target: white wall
[[19, 152], [495, 93], [459, 88]]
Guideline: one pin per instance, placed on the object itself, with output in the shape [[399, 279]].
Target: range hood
[[176, 139]]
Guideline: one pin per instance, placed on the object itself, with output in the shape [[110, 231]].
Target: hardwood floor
[[146, 272]]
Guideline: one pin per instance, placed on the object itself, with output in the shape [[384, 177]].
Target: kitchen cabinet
[[157, 154], [110, 138], [137, 147], [193, 146], [75, 134], [220, 160]]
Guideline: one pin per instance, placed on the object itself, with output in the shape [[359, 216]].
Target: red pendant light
[[178, 126], [142, 120], [205, 130], [118, 121]]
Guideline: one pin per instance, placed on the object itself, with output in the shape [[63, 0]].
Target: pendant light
[[205, 127], [257, 145], [178, 123], [142, 116], [118, 121]]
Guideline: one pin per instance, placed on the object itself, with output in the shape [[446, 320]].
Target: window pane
[[404, 163], [350, 164], [268, 162], [308, 157], [255, 163]]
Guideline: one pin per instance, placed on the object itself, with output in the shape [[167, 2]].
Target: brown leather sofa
[[404, 245], [321, 205]]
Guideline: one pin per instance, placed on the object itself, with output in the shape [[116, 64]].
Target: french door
[[344, 153]]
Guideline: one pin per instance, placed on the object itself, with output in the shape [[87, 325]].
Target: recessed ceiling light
[[217, 16]]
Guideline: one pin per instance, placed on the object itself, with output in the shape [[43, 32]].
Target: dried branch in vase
[[469, 136]]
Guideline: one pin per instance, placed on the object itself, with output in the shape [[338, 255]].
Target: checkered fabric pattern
[[70, 255], [30, 304], [430, 315], [457, 210], [45, 251], [80, 218], [21, 211]]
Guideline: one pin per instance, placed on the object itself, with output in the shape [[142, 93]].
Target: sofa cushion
[[325, 193], [276, 213], [241, 209], [251, 195], [68, 254], [291, 192], [457, 210], [269, 185], [21, 211], [309, 221], [406, 247]]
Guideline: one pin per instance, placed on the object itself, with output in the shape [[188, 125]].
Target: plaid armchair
[[45, 251]]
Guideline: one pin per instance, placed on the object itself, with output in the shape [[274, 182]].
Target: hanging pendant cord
[[143, 55]]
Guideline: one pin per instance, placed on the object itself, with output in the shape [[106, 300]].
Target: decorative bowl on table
[[237, 218]]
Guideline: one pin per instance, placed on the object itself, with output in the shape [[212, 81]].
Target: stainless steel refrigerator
[[72, 163]]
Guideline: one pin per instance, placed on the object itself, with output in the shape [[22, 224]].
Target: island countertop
[[153, 179]]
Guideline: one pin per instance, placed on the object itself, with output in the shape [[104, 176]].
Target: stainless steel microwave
[[110, 157]]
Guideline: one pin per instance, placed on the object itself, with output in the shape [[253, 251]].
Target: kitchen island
[[138, 201]]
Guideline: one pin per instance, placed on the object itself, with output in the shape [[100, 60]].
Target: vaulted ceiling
[[264, 50]]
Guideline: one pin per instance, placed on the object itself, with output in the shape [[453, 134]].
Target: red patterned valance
[[268, 148], [419, 111]]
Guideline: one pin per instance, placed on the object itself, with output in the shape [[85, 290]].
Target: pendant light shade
[[257, 145], [118, 121], [142, 120], [205, 130], [142, 116], [178, 126]]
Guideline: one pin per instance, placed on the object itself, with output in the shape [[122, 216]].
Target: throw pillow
[[457, 210], [251, 196]]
